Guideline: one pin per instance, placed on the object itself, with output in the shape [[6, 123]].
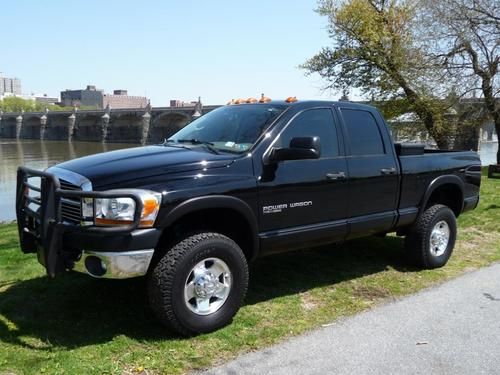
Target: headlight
[[121, 210]]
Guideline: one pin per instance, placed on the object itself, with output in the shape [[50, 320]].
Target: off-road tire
[[167, 280], [417, 241]]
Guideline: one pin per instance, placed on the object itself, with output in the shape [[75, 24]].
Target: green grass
[[75, 324]]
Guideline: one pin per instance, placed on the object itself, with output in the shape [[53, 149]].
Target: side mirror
[[300, 148]]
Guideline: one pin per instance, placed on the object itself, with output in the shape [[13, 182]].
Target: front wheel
[[199, 284], [431, 239]]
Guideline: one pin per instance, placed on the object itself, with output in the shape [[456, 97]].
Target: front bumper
[[121, 252], [111, 265]]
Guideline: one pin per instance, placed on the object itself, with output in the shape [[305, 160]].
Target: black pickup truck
[[240, 182]]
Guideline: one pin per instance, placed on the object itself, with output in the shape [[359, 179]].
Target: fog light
[[95, 266]]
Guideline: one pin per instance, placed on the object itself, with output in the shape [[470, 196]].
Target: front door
[[306, 198]]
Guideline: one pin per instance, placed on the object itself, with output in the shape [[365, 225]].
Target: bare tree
[[470, 41]]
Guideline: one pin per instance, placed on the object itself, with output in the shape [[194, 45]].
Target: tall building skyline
[[10, 86]]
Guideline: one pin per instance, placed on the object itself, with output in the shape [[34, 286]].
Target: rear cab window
[[363, 133]]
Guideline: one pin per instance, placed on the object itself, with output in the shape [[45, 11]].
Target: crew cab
[[243, 181]]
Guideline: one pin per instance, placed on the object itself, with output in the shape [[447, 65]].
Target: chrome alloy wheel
[[207, 286], [440, 236]]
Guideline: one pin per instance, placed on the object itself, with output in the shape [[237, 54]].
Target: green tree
[[16, 104], [377, 47]]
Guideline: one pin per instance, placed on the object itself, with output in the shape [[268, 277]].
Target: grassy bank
[[76, 324]]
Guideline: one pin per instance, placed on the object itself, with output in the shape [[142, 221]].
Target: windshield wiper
[[193, 141], [171, 143]]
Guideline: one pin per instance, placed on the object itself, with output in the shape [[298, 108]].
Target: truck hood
[[141, 162]]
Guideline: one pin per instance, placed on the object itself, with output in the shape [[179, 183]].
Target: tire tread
[[416, 239], [160, 286]]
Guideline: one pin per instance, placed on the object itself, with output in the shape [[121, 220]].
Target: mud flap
[[53, 250]]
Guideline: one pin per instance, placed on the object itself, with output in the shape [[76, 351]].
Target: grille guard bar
[[41, 231]]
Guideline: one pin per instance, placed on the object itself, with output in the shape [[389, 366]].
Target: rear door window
[[363, 133]]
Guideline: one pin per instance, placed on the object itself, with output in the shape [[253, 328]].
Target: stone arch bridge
[[143, 126]]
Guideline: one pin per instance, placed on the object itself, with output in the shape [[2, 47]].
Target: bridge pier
[[104, 127], [71, 125], [19, 126], [43, 125], [146, 122]]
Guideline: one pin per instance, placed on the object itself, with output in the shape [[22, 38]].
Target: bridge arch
[[125, 128], [31, 127], [167, 124], [88, 128], [8, 126]]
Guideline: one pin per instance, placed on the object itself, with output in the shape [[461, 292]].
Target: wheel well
[[448, 194], [226, 221]]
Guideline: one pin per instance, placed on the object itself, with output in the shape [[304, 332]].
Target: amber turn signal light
[[264, 99]]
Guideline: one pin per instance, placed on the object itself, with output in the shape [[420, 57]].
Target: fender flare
[[438, 182], [216, 201]]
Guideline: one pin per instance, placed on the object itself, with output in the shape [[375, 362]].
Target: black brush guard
[[41, 230]]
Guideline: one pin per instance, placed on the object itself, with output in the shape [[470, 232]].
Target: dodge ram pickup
[[243, 181]]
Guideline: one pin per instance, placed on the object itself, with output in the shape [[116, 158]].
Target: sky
[[164, 49]]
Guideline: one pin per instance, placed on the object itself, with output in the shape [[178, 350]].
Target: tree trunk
[[432, 124]]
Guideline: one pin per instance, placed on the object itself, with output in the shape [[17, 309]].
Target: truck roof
[[306, 103]]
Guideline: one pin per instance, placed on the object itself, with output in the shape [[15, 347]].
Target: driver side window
[[313, 123]]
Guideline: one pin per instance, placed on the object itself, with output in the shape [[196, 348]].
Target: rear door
[[373, 172]]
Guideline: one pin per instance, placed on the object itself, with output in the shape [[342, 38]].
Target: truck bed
[[420, 167]]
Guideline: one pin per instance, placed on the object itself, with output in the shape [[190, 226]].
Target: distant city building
[[180, 103], [121, 99], [88, 97], [10, 86], [97, 98]]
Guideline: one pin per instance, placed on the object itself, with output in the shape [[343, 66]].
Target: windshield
[[230, 128]]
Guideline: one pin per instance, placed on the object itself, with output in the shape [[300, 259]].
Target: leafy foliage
[[16, 104], [379, 47]]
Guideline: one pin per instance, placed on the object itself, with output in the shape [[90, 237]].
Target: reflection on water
[[38, 155], [488, 152]]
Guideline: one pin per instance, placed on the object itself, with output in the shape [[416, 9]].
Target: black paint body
[[327, 199]]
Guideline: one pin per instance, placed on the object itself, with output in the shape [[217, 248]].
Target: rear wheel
[[199, 284], [430, 241]]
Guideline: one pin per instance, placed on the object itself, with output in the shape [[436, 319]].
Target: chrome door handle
[[335, 176], [388, 170]]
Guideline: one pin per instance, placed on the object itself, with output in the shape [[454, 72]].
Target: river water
[[42, 154], [38, 155]]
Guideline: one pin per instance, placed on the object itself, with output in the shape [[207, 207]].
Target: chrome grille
[[71, 208]]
